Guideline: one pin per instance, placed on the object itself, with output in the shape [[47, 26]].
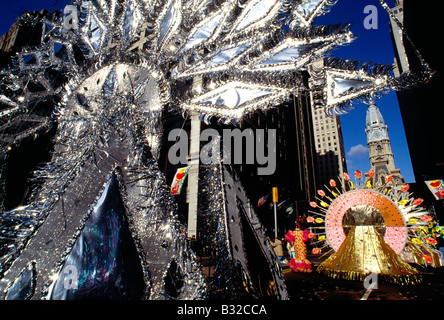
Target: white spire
[[375, 126], [380, 151]]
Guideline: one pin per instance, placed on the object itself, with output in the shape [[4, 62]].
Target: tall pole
[[275, 201], [194, 163], [193, 176]]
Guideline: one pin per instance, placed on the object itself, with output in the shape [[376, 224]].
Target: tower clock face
[[377, 134]]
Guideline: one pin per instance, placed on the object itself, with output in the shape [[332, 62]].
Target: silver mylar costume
[[102, 224]]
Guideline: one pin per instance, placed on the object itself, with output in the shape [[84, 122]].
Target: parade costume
[[297, 240]]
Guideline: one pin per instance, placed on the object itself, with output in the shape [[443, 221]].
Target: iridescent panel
[[24, 286], [103, 263]]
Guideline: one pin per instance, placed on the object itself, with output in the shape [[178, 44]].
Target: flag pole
[[275, 201]]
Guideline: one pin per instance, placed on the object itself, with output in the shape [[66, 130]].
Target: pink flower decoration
[[321, 193], [310, 219], [427, 218], [332, 183], [346, 176]]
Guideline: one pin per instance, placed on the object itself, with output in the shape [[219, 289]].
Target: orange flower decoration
[[316, 251], [427, 258], [313, 204], [332, 183], [426, 218], [310, 219], [388, 178], [321, 193], [371, 173], [346, 176], [358, 174], [405, 188], [418, 201], [431, 241]]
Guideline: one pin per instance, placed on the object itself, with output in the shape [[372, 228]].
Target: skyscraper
[[330, 154], [378, 142], [415, 29], [329, 144], [413, 25]]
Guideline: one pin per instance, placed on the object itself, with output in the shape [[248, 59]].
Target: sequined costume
[[364, 251], [297, 240]]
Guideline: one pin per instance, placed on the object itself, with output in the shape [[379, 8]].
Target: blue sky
[[371, 45], [10, 10], [374, 45]]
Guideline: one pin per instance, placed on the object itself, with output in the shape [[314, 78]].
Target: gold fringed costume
[[364, 251]]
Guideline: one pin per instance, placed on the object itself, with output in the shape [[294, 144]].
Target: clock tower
[[378, 142]]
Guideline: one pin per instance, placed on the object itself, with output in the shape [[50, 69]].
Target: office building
[[420, 106], [330, 154]]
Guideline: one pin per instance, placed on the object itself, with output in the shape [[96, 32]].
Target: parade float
[[380, 229]]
